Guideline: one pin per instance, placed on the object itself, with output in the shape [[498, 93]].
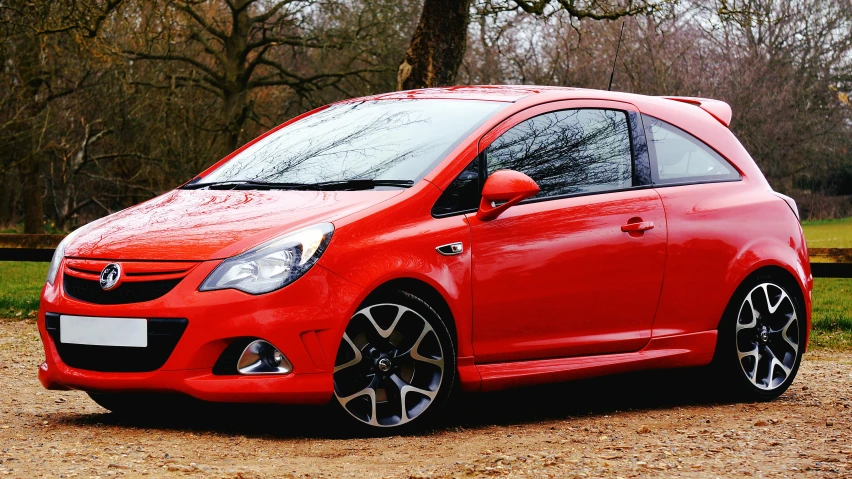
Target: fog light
[[261, 357]]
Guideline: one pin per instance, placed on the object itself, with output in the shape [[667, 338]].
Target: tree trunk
[[437, 47], [235, 75], [33, 208], [234, 114], [7, 199]]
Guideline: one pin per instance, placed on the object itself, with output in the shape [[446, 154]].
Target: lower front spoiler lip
[[198, 383]]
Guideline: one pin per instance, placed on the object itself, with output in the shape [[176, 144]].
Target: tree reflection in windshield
[[380, 139], [568, 151]]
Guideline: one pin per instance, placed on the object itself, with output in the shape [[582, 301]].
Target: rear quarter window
[[678, 157]]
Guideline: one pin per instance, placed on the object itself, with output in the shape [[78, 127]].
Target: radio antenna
[[617, 47]]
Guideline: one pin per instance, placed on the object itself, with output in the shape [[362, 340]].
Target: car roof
[[501, 93], [719, 110], [704, 118]]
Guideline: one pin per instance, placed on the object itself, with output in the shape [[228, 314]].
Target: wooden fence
[[825, 262], [831, 262], [28, 247]]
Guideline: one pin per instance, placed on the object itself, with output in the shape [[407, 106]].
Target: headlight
[[58, 254], [273, 264]]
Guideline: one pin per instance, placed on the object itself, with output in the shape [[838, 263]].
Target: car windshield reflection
[[398, 140]]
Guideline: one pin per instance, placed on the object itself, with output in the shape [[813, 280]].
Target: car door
[[577, 269]]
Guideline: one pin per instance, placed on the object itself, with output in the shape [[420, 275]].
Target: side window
[[682, 158], [568, 151], [462, 194]]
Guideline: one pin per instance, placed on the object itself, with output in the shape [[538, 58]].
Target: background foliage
[[106, 103]]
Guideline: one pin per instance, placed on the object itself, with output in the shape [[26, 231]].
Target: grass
[[829, 233], [49, 229], [20, 286], [832, 313], [832, 309]]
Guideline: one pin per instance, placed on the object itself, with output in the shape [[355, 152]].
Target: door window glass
[[682, 158], [568, 151]]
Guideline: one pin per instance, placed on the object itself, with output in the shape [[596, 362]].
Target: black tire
[[748, 342], [394, 374]]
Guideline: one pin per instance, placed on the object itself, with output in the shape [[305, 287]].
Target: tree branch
[[207, 26], [218, 80]]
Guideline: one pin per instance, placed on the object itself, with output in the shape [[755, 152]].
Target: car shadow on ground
[[649, 390]]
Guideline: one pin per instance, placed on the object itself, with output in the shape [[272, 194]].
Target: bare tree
[[784, 66], [234, 48], [34, 32], [439, 41]]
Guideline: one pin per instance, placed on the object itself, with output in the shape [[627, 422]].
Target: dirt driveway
[[649, 425]]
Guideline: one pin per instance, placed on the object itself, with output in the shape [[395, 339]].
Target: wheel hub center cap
[[384, 365], [763, 335]]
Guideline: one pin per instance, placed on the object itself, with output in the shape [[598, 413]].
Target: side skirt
[[686, 350]]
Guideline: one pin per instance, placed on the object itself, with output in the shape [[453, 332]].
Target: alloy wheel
[[767, 336], [389, 367]]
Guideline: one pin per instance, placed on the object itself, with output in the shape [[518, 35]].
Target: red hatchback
[[381, 252]]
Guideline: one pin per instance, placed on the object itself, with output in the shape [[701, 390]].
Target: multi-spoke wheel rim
[[389, 366], [767, 336]]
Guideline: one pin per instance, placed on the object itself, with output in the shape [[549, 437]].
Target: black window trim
[[639, 149], [479, 158], [698, 180], [454, 213]]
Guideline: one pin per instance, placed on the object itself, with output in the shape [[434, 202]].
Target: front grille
[[129, 292], [163, 336]]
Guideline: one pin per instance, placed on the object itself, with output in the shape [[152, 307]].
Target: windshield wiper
[[341, 185], [361, 184], [243, 185]]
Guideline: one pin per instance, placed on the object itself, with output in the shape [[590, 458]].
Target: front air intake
[[163, 336]]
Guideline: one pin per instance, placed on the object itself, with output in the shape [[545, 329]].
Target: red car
[[381, 252]]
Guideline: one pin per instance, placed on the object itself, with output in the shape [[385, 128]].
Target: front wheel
[[761, 338], [396, 364]]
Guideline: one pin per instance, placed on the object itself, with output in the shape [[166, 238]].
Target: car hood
[[199, 225]]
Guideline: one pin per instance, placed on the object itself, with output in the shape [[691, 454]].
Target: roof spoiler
[[717, 109]]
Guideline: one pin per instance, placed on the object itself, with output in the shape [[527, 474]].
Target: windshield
[[399, 140]]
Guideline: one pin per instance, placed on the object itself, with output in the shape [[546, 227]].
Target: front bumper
[[305, 320]]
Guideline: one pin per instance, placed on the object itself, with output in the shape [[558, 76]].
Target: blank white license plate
[[92, 331]]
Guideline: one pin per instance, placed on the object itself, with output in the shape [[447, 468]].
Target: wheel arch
[[451, 303], [424, 291], [411, 294], [782, 273]]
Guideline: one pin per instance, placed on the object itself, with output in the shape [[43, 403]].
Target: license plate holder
[[103, 331]]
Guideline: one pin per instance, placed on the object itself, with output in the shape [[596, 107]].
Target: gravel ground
[[661, 424]]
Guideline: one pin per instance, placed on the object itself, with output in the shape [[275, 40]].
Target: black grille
[[163, 336], [131, 292]]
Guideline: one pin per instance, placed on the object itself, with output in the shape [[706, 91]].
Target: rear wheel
[[761, 338], [396, 366]]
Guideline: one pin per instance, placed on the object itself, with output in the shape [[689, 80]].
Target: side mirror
[[508, 187]]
